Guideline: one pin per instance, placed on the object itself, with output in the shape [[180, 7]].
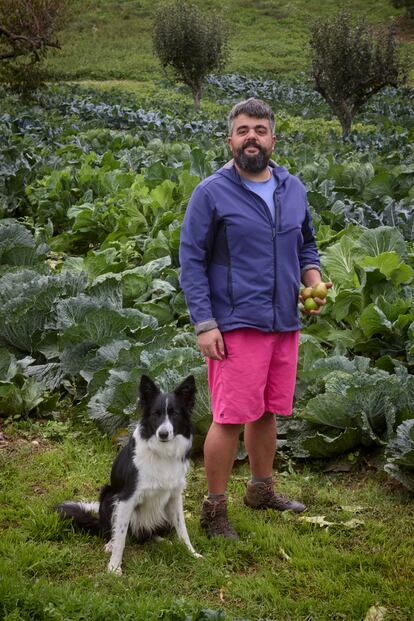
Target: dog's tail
[[81, 515]]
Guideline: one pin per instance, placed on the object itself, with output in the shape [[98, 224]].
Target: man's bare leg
[[260, 443], [220, 449]]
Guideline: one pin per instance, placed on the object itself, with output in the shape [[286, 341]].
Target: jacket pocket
[[221, 289]]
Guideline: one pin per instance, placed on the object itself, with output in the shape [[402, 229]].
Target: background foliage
[[351, 62], [190, 42], [27, 33]]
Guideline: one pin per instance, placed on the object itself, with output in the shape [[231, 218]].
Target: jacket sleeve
[[309, 257], [197, 235]]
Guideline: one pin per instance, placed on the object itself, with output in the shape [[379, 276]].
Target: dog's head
[[166, 415]]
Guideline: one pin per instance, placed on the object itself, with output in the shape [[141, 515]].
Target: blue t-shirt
[[264, 189]]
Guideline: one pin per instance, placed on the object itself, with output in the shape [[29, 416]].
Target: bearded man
[[247, 242]]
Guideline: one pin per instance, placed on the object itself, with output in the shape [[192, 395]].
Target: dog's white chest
[[161, 466], [160, 480], [161, 476]]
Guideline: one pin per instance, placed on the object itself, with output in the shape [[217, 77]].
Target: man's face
[[251, 143]]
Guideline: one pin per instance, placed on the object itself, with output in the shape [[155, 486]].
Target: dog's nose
[[163, 435]]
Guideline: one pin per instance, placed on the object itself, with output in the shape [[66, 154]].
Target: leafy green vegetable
[[89, 271], [400, 454]]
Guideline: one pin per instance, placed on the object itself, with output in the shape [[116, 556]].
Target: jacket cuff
[[205, 326], [311, 267]]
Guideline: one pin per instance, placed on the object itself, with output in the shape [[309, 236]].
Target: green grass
[[107, 39], [49, 572]]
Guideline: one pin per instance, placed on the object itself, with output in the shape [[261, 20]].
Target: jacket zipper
[[229, 274], [275, 228]]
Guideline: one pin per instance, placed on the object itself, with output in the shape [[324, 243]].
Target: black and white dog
[[147, 477]]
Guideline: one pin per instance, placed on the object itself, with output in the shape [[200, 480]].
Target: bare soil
[[405, 28]]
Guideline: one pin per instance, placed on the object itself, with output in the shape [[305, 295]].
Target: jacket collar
[[230, 171]]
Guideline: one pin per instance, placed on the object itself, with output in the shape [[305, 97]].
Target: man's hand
[[211, 344], [319, 301]]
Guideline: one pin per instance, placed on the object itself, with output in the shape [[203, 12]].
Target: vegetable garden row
[[92, 195]]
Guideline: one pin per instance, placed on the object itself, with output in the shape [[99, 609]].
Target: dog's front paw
[[115, 569], [108, 547], [197, 555]]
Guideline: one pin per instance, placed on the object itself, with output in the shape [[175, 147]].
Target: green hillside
[[107, 39]]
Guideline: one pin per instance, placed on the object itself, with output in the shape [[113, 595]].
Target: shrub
[[407, 4], [350, 63], [27, 32], [191, 43]]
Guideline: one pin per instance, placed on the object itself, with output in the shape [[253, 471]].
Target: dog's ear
[[186, 392], [147, 390]]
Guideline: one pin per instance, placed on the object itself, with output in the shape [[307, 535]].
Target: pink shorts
[[258, 375]]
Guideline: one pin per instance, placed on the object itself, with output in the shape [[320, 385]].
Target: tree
[[191, 43], [350, 63], [407, 4], [27, 32]]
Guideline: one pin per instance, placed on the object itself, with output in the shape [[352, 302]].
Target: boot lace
[[270, 497]]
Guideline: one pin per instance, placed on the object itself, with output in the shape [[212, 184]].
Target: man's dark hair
[[252, 107]]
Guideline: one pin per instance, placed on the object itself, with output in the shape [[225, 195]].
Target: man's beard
[[252, 163]]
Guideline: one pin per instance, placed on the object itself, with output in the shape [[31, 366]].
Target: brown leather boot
[[214, 520], [263, 496]]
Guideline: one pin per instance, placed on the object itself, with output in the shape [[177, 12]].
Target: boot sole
[[262, 507]]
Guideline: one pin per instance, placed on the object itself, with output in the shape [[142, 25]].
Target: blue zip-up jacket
[[239, 268]]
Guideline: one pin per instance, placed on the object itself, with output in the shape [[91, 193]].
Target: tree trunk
[[345, 115], [346, 123], [197, 97]]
